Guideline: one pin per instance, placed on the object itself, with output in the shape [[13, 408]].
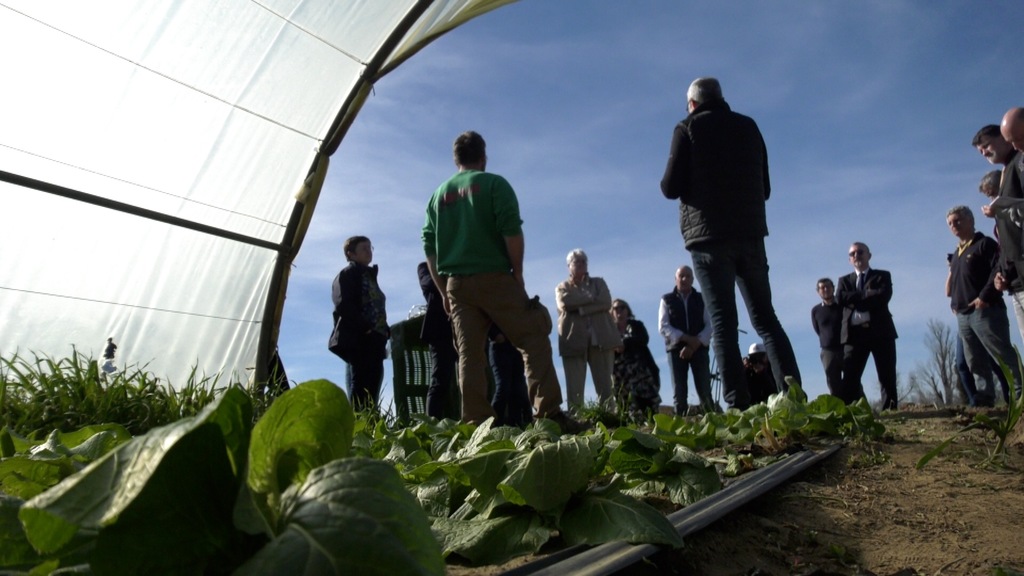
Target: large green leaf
[[87, 443], [306, 427], [634, 451], [84, 440], [493, 541], [351, 516], [15, 549], [234, 418], [97, 495], [702, 435], [184, 507], [596, 518], [25, 476], [41, 466], [695, 477], [7, 447], [548, 475], [434, 494], [486, 470], [649, 441]]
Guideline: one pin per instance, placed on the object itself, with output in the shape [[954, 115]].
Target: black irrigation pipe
[[609, 558]]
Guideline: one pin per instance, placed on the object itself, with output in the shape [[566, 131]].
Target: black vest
[[690, 321]]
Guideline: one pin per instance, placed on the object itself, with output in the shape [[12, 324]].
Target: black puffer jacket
[[718, 169]]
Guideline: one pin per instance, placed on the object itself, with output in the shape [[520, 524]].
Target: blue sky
[[867, 109]]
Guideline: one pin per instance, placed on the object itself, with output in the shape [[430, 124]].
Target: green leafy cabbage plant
[[211, 495]]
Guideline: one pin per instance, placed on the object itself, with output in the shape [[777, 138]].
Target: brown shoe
[[568, 424]]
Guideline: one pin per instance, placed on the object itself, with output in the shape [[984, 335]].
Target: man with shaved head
[[685, 323], [1012, 128]]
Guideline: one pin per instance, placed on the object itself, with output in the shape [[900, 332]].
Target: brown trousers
[[477, 300]]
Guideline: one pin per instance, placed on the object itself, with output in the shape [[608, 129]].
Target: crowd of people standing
[[480, 316]]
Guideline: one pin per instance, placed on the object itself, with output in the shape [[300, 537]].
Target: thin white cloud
[[868, 110]]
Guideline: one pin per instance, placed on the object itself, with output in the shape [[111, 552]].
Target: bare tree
[[936, 381]]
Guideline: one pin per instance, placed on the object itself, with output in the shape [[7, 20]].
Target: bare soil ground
[[868, 511]]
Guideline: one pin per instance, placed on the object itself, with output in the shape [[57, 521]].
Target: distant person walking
[[360, 304], [108, 366], [718, 170], [473, 240]]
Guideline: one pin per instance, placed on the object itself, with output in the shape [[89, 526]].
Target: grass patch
[[41, 394]]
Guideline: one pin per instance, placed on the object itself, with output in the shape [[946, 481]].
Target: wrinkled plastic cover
[[207, 110]]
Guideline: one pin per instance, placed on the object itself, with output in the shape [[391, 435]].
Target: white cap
[[755, 348]]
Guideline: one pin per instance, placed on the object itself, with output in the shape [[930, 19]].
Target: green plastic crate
[[410, 358]]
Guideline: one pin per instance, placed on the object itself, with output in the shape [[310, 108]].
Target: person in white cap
[[760, 380]]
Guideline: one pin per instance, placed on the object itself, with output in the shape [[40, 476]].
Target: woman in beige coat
[[586, 333]]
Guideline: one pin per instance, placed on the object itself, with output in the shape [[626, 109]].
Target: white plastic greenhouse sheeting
[[212, 111]]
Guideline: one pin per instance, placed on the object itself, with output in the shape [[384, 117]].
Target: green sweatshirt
[[467, 221]]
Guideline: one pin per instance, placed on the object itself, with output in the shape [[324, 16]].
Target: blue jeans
[[986, 335], [700, 364], [720, 267], [511, 401], [966, 378]]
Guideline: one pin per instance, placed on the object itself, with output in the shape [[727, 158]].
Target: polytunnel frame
[[305, 200]]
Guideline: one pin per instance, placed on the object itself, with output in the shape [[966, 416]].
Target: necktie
[[860, 280]]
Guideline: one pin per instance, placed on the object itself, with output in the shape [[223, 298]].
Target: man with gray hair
[[718, 170], [978, 305], [989, 187], [587, 335]]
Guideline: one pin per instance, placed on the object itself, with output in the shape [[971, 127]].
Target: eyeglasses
[[857, 252], [619, 308]]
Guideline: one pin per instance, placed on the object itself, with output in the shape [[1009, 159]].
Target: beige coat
[[584, 319]]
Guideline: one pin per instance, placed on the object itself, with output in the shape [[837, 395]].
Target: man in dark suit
[[867, 327]]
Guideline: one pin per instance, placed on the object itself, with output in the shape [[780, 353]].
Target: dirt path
[[868, 510]]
